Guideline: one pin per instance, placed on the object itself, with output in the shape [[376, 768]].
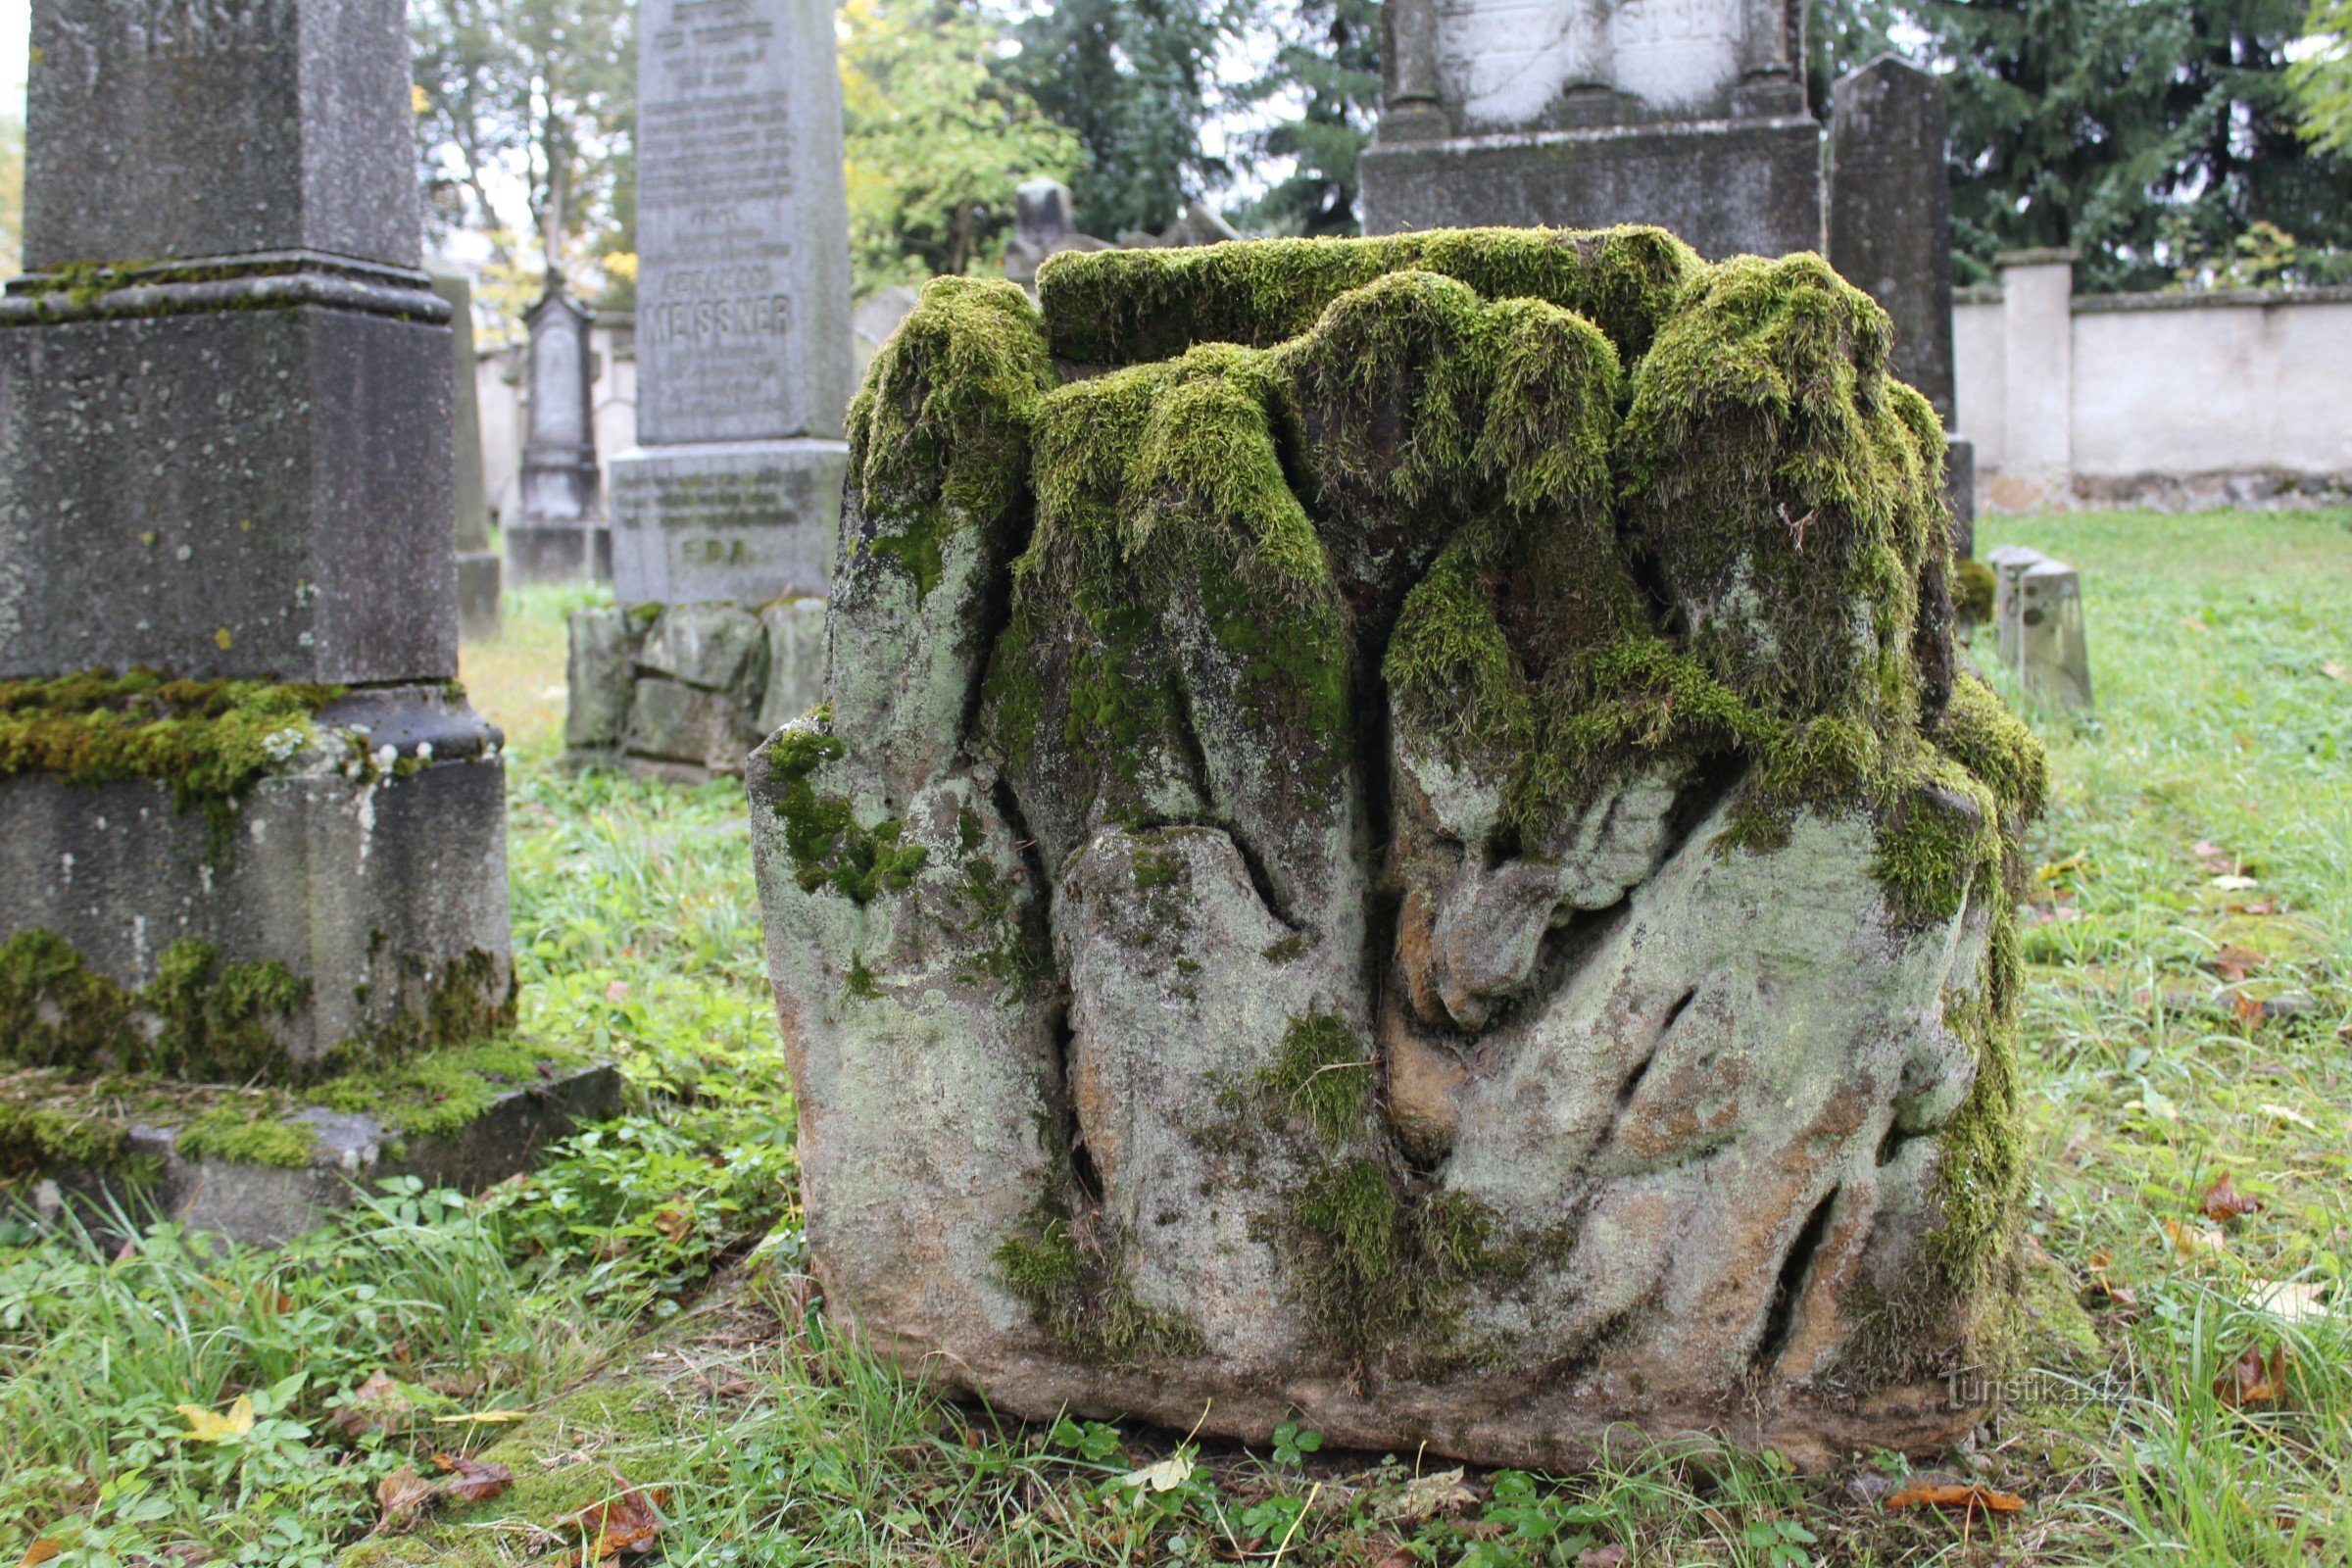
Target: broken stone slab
[[2053, 653], [1367, 924], [599, 669], [670, 721], [259, 1168]]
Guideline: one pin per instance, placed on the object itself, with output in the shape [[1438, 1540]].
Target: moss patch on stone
[[1323, 1075], [233, 1133], [828, 844], [207, 742], [199, 1019], [939, 433], [441, 1091], [1079, 1292]]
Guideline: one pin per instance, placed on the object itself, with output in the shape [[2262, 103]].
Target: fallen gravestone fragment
[[1395, 844]]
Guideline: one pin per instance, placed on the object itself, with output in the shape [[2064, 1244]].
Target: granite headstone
[[1689, 113], [559, 534], [480, 573], [1890, 229]]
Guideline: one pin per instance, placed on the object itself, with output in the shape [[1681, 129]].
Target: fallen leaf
[[402, 1496], [2248, 1009], [617, 992], [2233, 964], [2258, 907], [1428, 1496], [2232, 884], [481, 1418], [207, 1426], [1611, 1555], [375, 1406], [674, 1221], [472, 1480], [1970, 1496], [2193, 1244], [2101, 1287], [2289, 1301], [627, 1523], [2224, 1202], [2252, 1379], [42, 1549], [1166, 1476], [1396, 1556], [2332, 669], [2289, 1113]]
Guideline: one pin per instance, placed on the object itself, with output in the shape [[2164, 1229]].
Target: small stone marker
[[1685, 113], [559, 534], [730, 499], [1889, 233], [479, 569], [251, 835], [2009, 563], [2053, 647], [1269, 960]]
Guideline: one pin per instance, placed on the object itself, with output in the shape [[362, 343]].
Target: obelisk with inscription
[[251, 834], [729, 501]]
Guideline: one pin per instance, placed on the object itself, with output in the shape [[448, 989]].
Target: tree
[[1330, 73], [2147, 135], [935, 141], [1135, 80], [2323, 78], [524, 115], [1841, 35]]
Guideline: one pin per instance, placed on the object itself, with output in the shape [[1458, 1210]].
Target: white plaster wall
[[2213, 387], [498, 392], [1978, 409]]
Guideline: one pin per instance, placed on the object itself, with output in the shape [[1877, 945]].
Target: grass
[[2190, 944]]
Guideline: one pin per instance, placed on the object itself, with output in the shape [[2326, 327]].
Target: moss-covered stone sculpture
[[1396, 843]]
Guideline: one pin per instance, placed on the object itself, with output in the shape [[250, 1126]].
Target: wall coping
[[2177, 299]]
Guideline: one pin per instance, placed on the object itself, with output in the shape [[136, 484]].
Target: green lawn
[[2190, 1015]]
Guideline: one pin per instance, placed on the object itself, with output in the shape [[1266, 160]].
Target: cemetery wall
[[2174, 399]]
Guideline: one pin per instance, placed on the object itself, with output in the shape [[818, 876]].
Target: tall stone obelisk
[[729, 501], [225, 459]]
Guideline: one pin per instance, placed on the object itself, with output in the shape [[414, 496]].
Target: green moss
[[828, 844], [35, 1138], [1081, 1296], [1323, 1075], [1121, 306], [440, 1091], [939, 433], [228, 1133], [1972, 590], [860, 981], [198, 1019], [207, 742]]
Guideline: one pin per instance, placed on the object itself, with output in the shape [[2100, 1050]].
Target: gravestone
[[1689, 113], [479, 570], [1889, 232], [2009, 563], [2053, 649], [251, 835], [729, 501], [559, 533], [1365, 925]]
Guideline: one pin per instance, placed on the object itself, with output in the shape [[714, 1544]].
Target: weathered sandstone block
[[1396, 843]]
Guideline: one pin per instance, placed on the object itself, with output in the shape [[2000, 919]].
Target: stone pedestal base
[[684, 692], [481, 580], [373, 869], [1727, 187], [559, 552], [146, 1152], [742, 521]]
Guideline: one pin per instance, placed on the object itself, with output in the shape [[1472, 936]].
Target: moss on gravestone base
[[198, 1019], [207, 742], [829, 847]]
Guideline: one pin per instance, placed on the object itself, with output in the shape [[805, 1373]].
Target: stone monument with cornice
[[1689, 113], [723, 512]]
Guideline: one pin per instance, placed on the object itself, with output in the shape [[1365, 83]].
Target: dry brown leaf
[[472, 1480], [2247, 1009], [628, 1523], [2234, 963], [402, 1496], [2212, 858], [675, 1221], [1611, 1555], [617, 992], [2193, 1244], [42, 1549], [1428, 1496], [1970, 1496], [2099, 1285], [2332, 669], [375, 1406], [2224, 1202], [2252, 1379]]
